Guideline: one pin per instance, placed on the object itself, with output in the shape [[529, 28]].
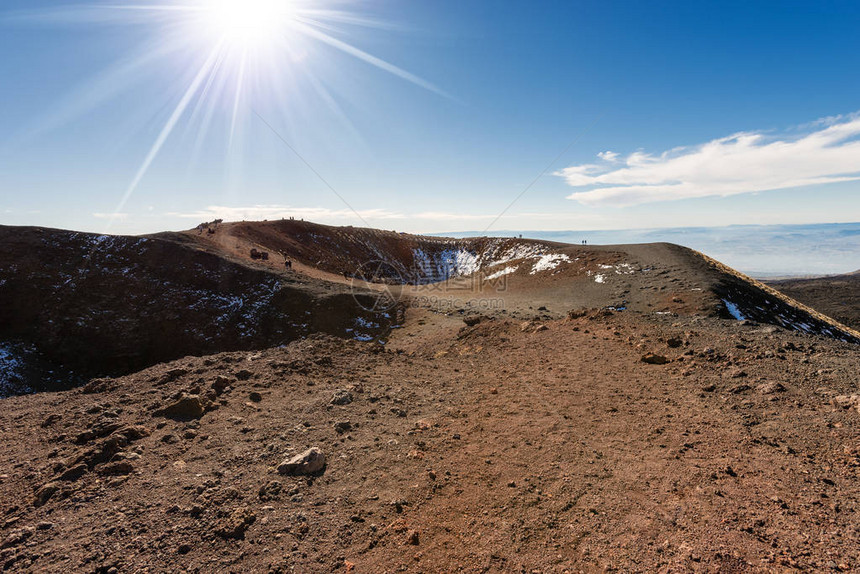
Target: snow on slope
[[11, 377], [549, 262]]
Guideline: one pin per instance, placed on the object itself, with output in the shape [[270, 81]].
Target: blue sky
[[433, 115]]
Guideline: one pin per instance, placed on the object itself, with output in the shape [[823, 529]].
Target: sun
[[235, 56], [248, 23]]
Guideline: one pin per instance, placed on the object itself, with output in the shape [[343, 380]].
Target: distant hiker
[[345, 275], [288, 264]]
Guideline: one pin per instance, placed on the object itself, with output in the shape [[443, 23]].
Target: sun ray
[[240, 82], [369, 58], [168, 127], [257, 53]]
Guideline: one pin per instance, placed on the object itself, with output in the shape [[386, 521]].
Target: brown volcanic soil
[[528, 440], [837, 296], [502, 447]]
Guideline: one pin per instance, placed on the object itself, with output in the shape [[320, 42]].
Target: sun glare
[[240, 54], [249, 22]]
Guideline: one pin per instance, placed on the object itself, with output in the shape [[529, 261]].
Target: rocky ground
[[837, 295], [602, 441]]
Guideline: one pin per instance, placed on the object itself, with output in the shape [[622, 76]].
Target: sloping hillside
[[82, 305], [99, 305], [524, 273], [835, 295]]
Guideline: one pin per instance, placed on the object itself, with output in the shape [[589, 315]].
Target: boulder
[[186, 407], [308, 462], [654, 359], [341, 397]]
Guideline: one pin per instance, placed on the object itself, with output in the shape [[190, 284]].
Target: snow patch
[[549, 262], [733, 310], [11, 376], [502, 272], [444, 264]]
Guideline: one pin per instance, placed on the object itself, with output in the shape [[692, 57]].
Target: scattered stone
[[472, 320], [172, 375], [186, 407], [11, 522], [244, 375], [50, 420], [270, 491], [847, 401], [235, 525], [308, 462], [398, 411], [222, 383], [18, 536], [709, 388], [74, 472], [737, 389], [342, 426], [654, 359], [412, 537], [771, 388], [134, 432], [674, 342], [341, 397], [98, 431], [577, 313], [97, 386], [45, 493], [117, 468], [255, 397], [44, 525]]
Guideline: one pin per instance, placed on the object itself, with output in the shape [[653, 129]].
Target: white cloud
[[742, 163], [611, 156]]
